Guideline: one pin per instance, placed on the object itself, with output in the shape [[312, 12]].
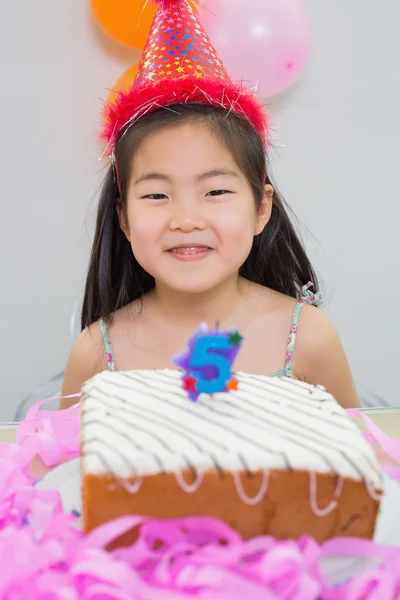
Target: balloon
[[126, 21], [123, 84], [262, 42]]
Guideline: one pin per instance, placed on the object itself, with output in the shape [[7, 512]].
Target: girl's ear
[[264, 209], [123, 220]]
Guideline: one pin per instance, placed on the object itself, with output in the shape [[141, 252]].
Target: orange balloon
[[123, 84], [126, 21]]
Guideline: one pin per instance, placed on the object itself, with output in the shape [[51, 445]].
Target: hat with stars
[[179, 65]]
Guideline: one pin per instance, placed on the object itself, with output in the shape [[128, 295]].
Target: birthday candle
[[207, 364]]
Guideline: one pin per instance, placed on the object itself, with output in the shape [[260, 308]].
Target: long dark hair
[[277, 258]]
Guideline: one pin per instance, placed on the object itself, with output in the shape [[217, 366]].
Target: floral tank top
[[306, 297]]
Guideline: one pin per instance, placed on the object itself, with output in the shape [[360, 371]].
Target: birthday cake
[[274, 456]]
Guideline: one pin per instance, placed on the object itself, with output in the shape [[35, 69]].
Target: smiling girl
[[189, 230]]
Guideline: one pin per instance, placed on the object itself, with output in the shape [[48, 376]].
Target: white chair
[[370, 399], [52, 387]]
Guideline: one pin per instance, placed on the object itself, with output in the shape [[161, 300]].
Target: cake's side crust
[[284, 512]]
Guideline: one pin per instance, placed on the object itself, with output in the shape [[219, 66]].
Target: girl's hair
[[277, 258]]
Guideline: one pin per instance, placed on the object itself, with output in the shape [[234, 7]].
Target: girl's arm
[[320, 359], [85, 360]]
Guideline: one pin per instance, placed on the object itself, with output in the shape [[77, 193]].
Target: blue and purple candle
[[207, 364]]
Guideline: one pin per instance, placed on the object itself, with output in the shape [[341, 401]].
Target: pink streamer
[[384, 442], [48, 557], [392, 471]]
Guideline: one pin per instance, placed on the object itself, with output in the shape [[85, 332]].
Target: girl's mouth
[[189, 252]]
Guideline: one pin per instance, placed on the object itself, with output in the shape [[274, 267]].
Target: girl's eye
[[217, 193], [155, 196]]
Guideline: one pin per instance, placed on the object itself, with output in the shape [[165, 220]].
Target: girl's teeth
[[189, 250]]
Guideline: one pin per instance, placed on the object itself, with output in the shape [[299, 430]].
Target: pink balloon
[[262, 42]]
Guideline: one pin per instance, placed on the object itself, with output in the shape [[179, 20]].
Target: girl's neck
[[218, 305]]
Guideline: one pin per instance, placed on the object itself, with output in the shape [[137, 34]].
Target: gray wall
[[336, 159]]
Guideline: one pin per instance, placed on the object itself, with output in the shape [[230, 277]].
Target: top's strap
[[292, 337], [308, 297], [305, 297], [107, 345]]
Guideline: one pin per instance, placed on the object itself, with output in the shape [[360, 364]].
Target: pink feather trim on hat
[[141, 100]]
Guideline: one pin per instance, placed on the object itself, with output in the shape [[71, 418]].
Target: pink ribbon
[[375, 436], [54, 434]]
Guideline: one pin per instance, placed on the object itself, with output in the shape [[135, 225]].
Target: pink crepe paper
[[45, 556], [389, 444], [385, 444]]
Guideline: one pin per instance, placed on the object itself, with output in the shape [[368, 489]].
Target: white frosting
[[322, 512], [140, 423], [260, 494]]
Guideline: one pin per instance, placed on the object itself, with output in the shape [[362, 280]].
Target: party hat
[[179, 65]]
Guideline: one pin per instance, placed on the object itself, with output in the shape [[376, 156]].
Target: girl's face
[[190, 215]]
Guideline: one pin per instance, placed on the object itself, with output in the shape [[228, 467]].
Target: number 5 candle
[[207, 364]]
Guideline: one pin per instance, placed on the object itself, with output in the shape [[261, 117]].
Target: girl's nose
[[187, 217]]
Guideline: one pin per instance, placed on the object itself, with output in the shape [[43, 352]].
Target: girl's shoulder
[[86, 359], [320, 357], [313, 319], [318, 354], [316, 332]]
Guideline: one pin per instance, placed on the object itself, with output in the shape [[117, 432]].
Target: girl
[[190, 229]]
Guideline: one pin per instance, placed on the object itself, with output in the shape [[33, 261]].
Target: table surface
[[386, 418]]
